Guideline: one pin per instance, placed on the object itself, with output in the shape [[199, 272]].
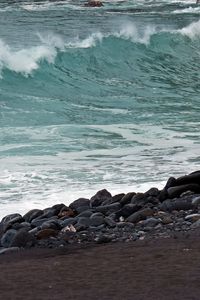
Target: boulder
[[32, 214], [8, 237], [81, 202], [140, 215], [100, 197], [127, 198]]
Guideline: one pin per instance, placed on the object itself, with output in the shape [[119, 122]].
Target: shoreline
[[106, 218]]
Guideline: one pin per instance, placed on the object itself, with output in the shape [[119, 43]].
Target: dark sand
[[154, 269]]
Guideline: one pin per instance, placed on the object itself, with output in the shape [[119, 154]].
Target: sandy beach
[[163, 269]]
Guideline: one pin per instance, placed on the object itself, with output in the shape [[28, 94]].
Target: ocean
[[93, 98]]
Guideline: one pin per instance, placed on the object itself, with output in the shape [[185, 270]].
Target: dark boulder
[[176, 191], [32, 214], [140, 215], [81, 202], [127, 198], [100, 197]]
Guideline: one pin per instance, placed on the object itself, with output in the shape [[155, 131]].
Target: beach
[[164, 269]]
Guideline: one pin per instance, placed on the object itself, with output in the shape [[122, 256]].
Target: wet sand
[[163, 269]]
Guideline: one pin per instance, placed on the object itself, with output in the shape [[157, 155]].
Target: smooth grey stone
[[68, 221], [57, 208], [79, 202], [115, 198], [195, 225], [126, 225], [151, 222], [127, 210], [81, 209], [152, 192], [104, 238], [38, 222], [9, 250], [96, 221], [49, 212], [140, 215], [97, 214], [110, 222], [109, 209], [176, 191], [100, 197], [138, 199], [84, 221], [196, 201], [23, 238], [34, 230], [53, 224], [10, 217], [8, 237], [86, 214], [176, 204], [23, 225], [32, 214], [127, 198], [193, 177]]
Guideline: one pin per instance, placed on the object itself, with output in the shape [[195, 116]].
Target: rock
[[127, 210], [68, 221], [38, 222], [114, 199], [192, 217], [96, 220], [109, 209], [32, 214], [23, 225], [66, 212], [83, 221], [57, 208], [154, 192], [7, 218], [9, 250], [49, 212], [86, 213], [46, 233], [195, 225], [79, 203], [166, 219], [104, 238], [12, 221], [126, 225], [138, 199], [100, 197], [8, 237], [23, 239], [196, 201], [110, 222], [151, 222], [193, 177], [140, 215], [127, 198], [176, 204], [176, 191], [53, 224]]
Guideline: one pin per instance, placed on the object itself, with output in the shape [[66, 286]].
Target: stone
[[195, 225], [176, 204], [109, 209], [138, 199], [79, 203], [83, 221], [57, 208], [127, 210], [192, 217], [166, 219], [68, 221], [12, 221], [9, 250], [66, 212], [38, 222], [32, 214], [8, 237], [104, 238], [115, 198], [176, 191], [23, 239], [140, 215], [96, 220], [109, 222], [100, 197], [151, 222], [86, 213], [46, 233], [53, 224], [193, 177], [127, 198], [196, 201], [11, 217], [154, 192]]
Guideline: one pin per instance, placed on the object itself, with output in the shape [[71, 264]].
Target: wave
[[27, 60]]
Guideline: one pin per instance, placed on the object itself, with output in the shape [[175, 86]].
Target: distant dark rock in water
[[94, 3], [105, 218]]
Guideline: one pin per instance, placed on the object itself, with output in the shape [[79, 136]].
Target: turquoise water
[[94, 98]]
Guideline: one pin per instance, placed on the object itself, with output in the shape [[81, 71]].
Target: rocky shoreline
[[105, 218]]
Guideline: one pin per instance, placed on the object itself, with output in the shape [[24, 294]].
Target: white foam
[[192, 30], [25, 60]]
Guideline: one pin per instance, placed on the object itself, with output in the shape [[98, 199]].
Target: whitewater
[[94, 98]]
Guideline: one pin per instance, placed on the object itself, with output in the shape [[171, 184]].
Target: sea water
[[94, 98]]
